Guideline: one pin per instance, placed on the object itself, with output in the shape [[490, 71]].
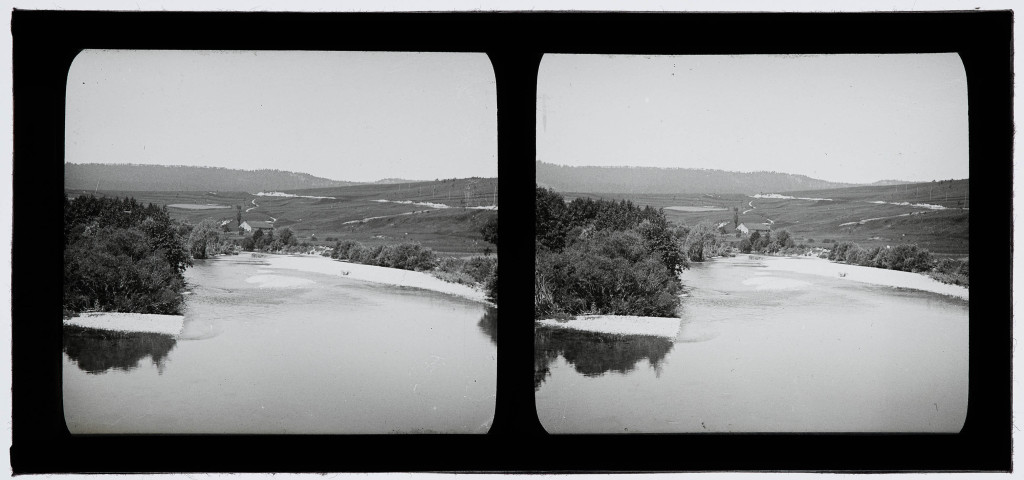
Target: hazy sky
[[342, 115], [846, 118]]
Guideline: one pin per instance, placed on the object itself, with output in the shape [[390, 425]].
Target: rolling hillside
[[154, 178], [444, 215], [637, 180], [933, 215]]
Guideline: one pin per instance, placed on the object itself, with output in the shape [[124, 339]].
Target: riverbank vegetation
[[903, 257], [606, 257], [122, 256], [472, 271]]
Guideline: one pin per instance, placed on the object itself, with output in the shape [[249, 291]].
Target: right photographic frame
[[752, 243]]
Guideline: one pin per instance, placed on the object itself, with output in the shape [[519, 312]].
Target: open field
[[933, 215], [444, 215]]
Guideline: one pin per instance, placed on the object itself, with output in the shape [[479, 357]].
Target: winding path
[[752, 208]]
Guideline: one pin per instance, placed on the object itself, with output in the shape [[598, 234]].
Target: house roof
[[259, 224], [755, 226]]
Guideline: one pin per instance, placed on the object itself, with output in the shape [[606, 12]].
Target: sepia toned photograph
[[279, 242], [752, 243]]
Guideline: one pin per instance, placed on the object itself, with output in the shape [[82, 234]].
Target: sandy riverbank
[[619, 324], [856, 273], [129, 322], [375, 274]]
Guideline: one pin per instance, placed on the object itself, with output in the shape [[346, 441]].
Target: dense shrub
[[607, 257], [908, 258], [745, 246], [903, 257], [608, 272], [952, 271], [701, 242], [122, 256], [472, 271], [491, 284]]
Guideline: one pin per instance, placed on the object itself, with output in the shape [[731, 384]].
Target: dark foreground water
[[313, 354], [766, 351]]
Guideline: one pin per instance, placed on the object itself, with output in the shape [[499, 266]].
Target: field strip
[[866, 220], [196, 206], [367, 219], [289, 195]]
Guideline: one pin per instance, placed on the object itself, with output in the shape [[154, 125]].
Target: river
[[270, 350], [766, 350]]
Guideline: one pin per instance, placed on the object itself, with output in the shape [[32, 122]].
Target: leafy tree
[[286, 236], [203, 235], [702, 242], [549, 219], [784, 238], [248, 244], [490, 230], [745, 245], [257, 239]]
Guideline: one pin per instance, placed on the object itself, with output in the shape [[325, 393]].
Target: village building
[[252, 225], [748, 228]]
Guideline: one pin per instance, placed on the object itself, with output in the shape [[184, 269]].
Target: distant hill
[[672, 180], [153, 178], [392, 181], [882, 183]]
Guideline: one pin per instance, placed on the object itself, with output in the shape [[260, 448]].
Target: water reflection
[[96, 351], [489, 324], [594, 354]]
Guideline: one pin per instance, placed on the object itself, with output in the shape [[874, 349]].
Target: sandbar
[[857, 273], [129, 322], [374, 274], [620, 325]]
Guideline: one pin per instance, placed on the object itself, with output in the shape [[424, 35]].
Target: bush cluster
[[473, 271], [122, 256], [956, 272], [903, 257], [266, 241], [406, 256], [605, 257], [781, 242]]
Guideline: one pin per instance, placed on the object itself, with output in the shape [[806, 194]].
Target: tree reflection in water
[[489, 324], [594, 354], [96, 351]]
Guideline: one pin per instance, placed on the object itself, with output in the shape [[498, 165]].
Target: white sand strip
[[619, 324], [375, 274], [130, 322], [857, 273]]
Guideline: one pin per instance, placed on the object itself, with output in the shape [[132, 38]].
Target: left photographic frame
[[279, 242]]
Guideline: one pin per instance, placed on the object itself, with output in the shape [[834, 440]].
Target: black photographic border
[[45, 43]]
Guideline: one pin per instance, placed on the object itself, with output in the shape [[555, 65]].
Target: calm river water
[[761, 350], [284, 351]]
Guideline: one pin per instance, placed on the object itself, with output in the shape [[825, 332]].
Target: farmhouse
[[750, 227], [251, 225]]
